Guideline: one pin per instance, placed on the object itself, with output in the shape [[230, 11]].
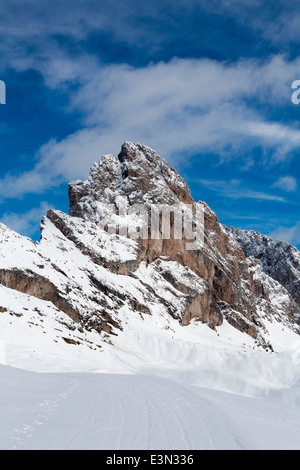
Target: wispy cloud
[[287, 234], [277, 23], [233, 190], [178, 107], [286, 183], [27, 222]]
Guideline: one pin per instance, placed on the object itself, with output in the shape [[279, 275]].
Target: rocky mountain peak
[[96, 276], [138, 153], [138, 174]]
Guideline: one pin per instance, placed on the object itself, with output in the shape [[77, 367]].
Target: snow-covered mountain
[[111, 287], [91, 275]]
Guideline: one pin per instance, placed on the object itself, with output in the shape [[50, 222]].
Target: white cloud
[[287, 183], [233, 190], [27, 222], [177, 107], [287, 234], [275, 22]]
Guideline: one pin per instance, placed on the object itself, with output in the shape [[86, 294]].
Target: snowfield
[[106, 411], [147, 390]]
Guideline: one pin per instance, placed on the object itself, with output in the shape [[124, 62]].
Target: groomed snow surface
[[158, 386], [106, 411]]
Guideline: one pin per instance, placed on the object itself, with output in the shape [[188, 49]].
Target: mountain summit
[[126, 250]]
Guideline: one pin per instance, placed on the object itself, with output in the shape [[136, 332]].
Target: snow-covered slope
[[133, 412]]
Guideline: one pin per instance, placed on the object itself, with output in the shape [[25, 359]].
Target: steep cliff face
[[140, 177], [279, 260], [134, 239]]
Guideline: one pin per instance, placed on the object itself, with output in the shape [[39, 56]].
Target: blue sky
[[207, 84]]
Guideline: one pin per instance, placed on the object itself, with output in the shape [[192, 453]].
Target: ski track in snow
[[122, 412], [46, 409], [117, 417]]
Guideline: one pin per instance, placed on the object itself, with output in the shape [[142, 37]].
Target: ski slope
[[114, 411]]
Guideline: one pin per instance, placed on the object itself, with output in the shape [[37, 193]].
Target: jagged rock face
[[279, 260], [274, 268], [93, 273], [139, 176], [137, 173], [273, 300]]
